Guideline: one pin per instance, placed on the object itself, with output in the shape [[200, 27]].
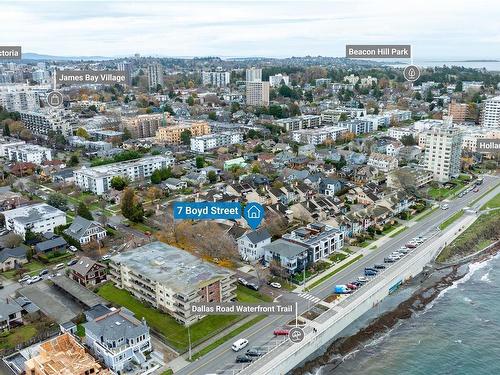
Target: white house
[[250, 244], [39, 218], [384, 163], [118, 338], [85, 231]]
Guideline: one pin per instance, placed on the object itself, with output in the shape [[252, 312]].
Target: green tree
[[6, 130], [131, 207], [408, 140], [276, 111], [190, 100], [118, 183], [126, 134], [200, 162], [165, 173], [343, 117], [212, 116], [58, 200], [459, 86], [186, 137], [81, 132], [294, 110], [156, 177], [212, 177], [235, 107], [73, 160], [83, 211]]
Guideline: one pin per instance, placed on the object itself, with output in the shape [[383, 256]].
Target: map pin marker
[[253, 213]]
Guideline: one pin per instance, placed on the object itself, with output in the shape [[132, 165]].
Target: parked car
[[389, 260], [276, 285], [59, 266], [379, 266], [239, 344], [252, 286], [43, 272], [255, 352], [352, 286], [411, 245], [24, 278], [475, 190], [113, 226], [73, 249], [105, 257], [369, 272], [363, 279], [72, 262], [280, 332], [445, 206], [34, 279], [242, 281], [243, 359]]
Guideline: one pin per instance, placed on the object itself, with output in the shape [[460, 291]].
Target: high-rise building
[[18, 98], [126, 67], [257, 93], [217, 78], [443, 147], [278, 79], [143, 126], [172, 134], [254, 74], [458, 111], [491, 112], [155, 76]]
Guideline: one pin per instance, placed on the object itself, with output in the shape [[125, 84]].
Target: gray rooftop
[[285, 248], [258, 235], [171, 266], [33, 213], [16, 252], [50, 244], [8, 308], [79, 226], [115, 325]]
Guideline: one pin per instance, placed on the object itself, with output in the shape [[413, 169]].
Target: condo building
[[27, 153], [98, 179], [171, 279], [38, 218], [155, 76], [207, 142], [171, 134], [257, 93], [299, 122], [143, 126], [443, 148], [19, 98], [216, 78], [42, 122], [491, 113], [319, 135]]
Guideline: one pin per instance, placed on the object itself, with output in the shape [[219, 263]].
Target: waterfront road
[[222, 359]]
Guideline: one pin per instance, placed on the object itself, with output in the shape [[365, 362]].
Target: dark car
[[242, 281], [369, 269], [72, 262], [255, 352], [253, 286], [243, 359], [357, 283], [389, 260], [43, 272], [379, 266]]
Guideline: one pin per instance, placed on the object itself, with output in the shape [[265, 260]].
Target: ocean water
[[457, 334]]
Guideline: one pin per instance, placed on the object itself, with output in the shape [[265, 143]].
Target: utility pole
[[189, 340]]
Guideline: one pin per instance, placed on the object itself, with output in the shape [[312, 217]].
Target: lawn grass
[[175, 333], [227, 337], [398, 231], [285, 284], [426, 213], [32, 267], [445, 224], [324, 278], [18, 335], [247, 295], [441, 193], [492, 203]]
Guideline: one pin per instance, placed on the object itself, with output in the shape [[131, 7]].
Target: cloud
[[436, 29]]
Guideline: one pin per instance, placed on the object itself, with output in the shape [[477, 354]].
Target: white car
[[34, 279], [444, 206], [73, 249], [276, 285], [24, 278], [363, 279], [105, 257]]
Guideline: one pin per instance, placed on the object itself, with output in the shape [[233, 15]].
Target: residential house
[[10, 200], [250, 245], [88, 272], [118, 338], [85, 231], [174, 184], [291, 257], [383, 163], [330, 186], [10, 315], [56, 243], [11, 259]]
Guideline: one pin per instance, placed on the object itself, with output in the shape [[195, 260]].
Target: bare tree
[[12, 240]]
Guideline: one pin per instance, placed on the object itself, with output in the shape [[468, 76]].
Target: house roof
[[285, 248], [258, 235], [83, 266], [50, 244], [8, 308], [16, 252], [115, 325], [79, 226]]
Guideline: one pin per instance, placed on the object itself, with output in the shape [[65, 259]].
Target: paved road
[[222, 359]]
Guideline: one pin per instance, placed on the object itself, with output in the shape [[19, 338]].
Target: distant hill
[[37, 56]]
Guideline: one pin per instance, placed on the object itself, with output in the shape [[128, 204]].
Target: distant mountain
[[37, 56]]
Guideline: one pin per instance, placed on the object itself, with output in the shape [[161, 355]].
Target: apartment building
[[332, 116], [398, 115], [250, 245], [155, 76], [257, 93], [398, 133], [171, 134], [207, 142], [63, 355], [38, 218], [216, 78], [357, 126], [410, 176], [459, 111], [143, 126], [490, 116], [118, 338], [299, 122], [6, 143], [98, 179], [323, 82], [303, 246], [27, 153], [253, 74], [443, 148], [171, 279], [279, 79], [319, 135], [377, 120], [384, 163], [470, 136], [17, 98], [44, 121]]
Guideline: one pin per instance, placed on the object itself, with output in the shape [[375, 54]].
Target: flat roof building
[[171, 279], [39, 218]]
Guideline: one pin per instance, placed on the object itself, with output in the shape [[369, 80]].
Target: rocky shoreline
[[341, 347]]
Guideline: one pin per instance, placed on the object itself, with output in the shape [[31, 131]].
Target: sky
[[436, 29]]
